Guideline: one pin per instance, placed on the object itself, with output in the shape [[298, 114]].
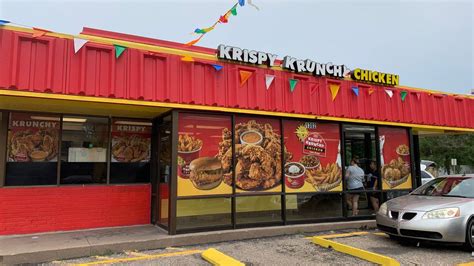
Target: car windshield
[[448, 187]]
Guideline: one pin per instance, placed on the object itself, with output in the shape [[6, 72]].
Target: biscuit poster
[[395, 158], [131, 141], [315, 162], [204, 155]]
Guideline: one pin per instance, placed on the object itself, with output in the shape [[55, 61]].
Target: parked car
[[441, 210], [425, 175]]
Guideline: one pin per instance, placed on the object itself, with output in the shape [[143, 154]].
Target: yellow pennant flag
[[187, 59], [334, 90]]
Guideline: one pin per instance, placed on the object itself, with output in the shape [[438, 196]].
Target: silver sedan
[[440, 210]]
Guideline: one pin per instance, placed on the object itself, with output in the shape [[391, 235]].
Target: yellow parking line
[[146, 257], [344, 235], [218, 258], [134, 253], [467, 264], [380, 234]]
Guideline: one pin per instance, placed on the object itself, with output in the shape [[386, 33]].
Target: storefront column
[[3, 145], [174, 174], [416, 159]]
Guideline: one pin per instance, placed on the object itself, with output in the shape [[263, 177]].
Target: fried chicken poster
[[131, 142], [395, 158], [204, 155], [33, 138], [315, 165]]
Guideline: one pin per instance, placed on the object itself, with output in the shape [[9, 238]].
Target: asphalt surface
[[290, 250]]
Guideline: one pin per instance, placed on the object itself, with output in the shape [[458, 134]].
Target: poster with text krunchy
[[131, 141], [395, 158], [204, 155], [315, 164]]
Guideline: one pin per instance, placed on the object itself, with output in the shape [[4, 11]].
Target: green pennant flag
[[119, 50], [234, 10], [293, 84], [403, 95]]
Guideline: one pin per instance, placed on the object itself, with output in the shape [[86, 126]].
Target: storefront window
[[204, 155], [84, 150], [258, 209], [195, 213], [32, 149], [313, 206], [258, 155], [131, 150]]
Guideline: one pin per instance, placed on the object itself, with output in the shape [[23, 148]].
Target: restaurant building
[[125, 130]]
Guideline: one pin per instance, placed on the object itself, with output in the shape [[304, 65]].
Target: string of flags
[[223, 19]]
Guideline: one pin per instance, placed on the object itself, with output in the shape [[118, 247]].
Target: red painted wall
[[43, 209], [48, 64]]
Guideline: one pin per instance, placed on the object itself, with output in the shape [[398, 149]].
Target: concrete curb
[[61, 251]]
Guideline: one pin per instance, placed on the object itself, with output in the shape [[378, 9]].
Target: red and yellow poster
[[315, 161], [395, 158], [131, 141], [33, 138], [204, 155]]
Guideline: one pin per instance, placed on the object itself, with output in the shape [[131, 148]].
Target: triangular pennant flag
[[223, 19], [312, 88], [3, 22], [37, 32], [371, 90], [418, 95], [242, 2], [205, 30], [269, 80], [334, 90], [244, 76], [355, 90], [389, 93], [187, 59], [234, 10], [119, 50], [217, 67], [403, 95], [252, 4], [78, 43], [193, 42], [293, 83]]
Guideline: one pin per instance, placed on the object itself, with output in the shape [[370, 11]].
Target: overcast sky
[[428, 43]]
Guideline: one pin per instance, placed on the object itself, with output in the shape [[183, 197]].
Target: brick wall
[[43, 209]]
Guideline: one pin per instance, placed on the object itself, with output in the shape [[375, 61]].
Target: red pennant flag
[[37, 32], [371, 90], [244, 76], [223, 19], [418, 95]]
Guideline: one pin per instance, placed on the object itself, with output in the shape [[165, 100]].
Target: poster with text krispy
[[258, 154], [33, 138], [131, 141], [395, 158], [315, 164], [204, 155]]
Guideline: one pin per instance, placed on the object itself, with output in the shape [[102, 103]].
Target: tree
[[441, 149]]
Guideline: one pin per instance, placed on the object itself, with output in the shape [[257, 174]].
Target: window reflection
[[313, 206]]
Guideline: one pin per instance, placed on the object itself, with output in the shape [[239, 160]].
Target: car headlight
[[383, 209], [442, 213]]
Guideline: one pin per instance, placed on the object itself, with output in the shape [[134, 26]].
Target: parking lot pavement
[[288, 250]]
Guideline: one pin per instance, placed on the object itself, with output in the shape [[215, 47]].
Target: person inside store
[[372, 179], [355, 184]]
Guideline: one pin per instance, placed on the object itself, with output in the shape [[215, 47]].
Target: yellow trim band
[[218, 258]]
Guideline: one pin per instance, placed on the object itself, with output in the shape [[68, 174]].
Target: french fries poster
[[315, 164]]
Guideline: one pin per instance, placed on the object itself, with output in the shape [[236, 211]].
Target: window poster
[[315, 164], [395, 158], [131, 141], [204, 155], [258, 155], [33, 138]]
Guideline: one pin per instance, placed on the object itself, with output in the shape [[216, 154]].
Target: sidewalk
[[44, 247]]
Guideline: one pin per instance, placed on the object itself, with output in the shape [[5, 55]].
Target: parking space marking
[[356, 252], [218, 258], [467, 264], [146, 257], [380, 234]]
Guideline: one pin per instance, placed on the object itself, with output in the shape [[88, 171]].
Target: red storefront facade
[[150, 81]]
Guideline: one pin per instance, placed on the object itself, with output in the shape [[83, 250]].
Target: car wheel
[[470, 235]]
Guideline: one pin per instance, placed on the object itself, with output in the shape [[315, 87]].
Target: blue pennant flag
[[3, 22], [241, 2], [217, 67], [355, 90]]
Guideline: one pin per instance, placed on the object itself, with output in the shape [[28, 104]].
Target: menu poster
[[33, 138], [204, 155], [395, 158], [131, 141], [315, 164]]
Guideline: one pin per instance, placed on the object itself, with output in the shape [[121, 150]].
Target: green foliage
[[441, 149]]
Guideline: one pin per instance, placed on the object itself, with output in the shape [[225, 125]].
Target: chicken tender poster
[[131, 141], [395, 158], [315, 162], [33, 138], [204, 155]]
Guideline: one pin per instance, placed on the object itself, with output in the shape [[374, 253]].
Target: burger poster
[[395, 158], [204, 155], [33, 138], [314, 164], [131, 141]]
